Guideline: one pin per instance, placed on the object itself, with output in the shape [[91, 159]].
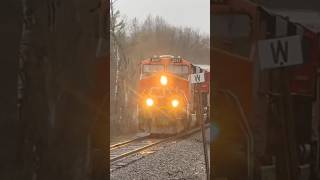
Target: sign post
[[288, 153], [281, 53], [197, 79]]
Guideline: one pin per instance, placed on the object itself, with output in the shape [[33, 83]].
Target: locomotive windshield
[[181, 70], [233, 33], [152, 68]]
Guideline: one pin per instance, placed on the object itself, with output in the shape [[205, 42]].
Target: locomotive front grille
[[163, 116], [162, 103]]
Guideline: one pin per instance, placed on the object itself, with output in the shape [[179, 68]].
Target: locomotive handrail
[[222, 51], [248, 132]]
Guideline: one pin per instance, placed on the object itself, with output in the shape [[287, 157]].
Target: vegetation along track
[[127, 148]]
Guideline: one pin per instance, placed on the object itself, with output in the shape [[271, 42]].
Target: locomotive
[[247, 100], [167, 100]]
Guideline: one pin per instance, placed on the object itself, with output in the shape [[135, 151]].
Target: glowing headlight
[[149, 102], [164, 80], [174, 103]]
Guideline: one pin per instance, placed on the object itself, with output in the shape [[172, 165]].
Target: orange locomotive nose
[[166, 94]]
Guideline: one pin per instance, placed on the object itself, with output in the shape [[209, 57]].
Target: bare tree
[[119, 64]]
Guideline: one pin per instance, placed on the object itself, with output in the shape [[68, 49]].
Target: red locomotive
[[167, 100]]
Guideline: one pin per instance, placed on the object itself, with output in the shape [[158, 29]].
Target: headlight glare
[[164, 80], [175, 103], [149, 102]]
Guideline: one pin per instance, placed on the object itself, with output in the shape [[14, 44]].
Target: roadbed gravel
[[183, 159]]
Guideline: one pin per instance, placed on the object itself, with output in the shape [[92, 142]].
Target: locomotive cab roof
[[166, 56]]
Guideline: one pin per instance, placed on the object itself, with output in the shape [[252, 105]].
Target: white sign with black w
[[280, 52], [197, 78]]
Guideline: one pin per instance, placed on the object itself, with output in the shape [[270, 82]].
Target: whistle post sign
[[197, 78], [280, 52]]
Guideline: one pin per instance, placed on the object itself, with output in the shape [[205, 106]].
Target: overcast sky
[[190, 13]]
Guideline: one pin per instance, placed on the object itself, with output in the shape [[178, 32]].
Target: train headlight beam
[[149, 102], [175, 103], [164, 80]]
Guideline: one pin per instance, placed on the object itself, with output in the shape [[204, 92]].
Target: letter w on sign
[[197, 78], [280, 52]]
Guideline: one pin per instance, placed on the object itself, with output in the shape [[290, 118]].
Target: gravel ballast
[[183, 159]]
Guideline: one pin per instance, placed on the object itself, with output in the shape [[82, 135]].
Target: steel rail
[[183, 135], [114, 146]]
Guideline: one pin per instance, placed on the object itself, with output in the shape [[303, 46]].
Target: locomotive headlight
[[149, 102], [164, 80], [175, 103]]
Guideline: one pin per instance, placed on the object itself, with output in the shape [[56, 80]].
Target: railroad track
[[117, 145], [124, 149]]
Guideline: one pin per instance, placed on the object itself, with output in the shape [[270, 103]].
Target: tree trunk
[[10, 35]]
